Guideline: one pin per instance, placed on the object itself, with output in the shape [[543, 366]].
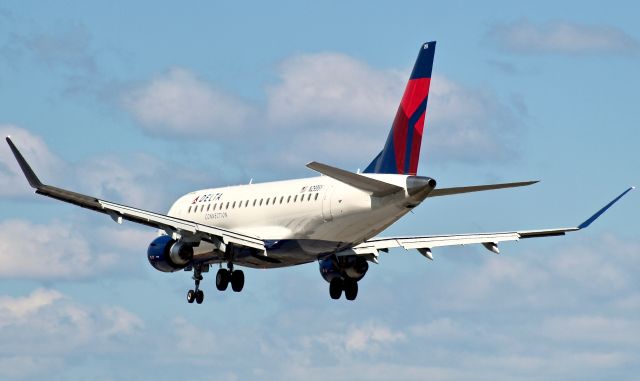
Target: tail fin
[[402, 150]]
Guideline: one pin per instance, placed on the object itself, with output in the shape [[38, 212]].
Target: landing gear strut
[[349, 286], [196, 294], [229, 275]]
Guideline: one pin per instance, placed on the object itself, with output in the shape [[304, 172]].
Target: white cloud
[[596, 330], [63, 46], [324, 106], [53, 251], [342, 110], [29, 367], [367, 338], [178, 103], [139, 180], [563, 37], [583, 265], [333, 88], [135, 179], [41, 329], [33, 148], [468, 124]]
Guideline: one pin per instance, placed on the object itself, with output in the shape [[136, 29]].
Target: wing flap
[[429, 242]]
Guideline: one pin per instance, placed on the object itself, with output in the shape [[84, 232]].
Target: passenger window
[[261, 201], [227, 206], [267, 203], [288, 199], [189, 211], [234, 205], [254, 202], [295, 198], [202, 208], [246, 203], [214, 206], [316, 198], [309, 198], [208, 207], [281, 199]]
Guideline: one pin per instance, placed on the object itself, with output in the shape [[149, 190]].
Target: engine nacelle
[[352, 267], [168, 255]]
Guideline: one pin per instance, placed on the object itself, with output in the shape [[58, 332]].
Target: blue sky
[[139, 103]]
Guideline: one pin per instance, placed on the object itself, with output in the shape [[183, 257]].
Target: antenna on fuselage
[[251, 181]]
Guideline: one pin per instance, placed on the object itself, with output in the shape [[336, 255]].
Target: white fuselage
[[320, 214]]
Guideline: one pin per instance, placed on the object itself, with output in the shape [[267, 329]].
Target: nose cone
[[419, 187]]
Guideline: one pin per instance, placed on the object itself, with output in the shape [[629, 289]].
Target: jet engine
[[168, 255], [347, 267]]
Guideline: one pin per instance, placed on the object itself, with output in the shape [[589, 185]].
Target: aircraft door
[[326, 203]]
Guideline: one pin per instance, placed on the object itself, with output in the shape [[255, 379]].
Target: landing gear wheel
[[199, 296], [350, 289], [191, 296], [222, 279], [237, 280], [335, 288]]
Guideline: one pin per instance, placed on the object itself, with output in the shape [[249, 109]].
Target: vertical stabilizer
[[401, 152]]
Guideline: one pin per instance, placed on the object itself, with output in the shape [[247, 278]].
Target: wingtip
[[33, 180], [590, 220]]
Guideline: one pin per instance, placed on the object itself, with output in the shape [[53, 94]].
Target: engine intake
[[168, 255], [351, 267]]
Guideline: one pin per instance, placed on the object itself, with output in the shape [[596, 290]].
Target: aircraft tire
[[222, 279], [350, 289], [335, 288], [237, 280]]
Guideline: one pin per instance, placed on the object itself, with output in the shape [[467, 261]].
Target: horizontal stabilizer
[[374, 187], [477, 188]]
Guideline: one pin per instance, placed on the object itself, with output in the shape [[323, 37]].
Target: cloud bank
[[323, 105], [562, 37]]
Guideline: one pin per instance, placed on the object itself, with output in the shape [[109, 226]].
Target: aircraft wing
[[176, 227], [424, 244]]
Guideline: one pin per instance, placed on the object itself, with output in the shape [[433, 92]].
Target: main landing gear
[[348, 285], [223, 278], [229, 275]]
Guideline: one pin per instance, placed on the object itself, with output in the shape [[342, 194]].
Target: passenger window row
[[255, 203]]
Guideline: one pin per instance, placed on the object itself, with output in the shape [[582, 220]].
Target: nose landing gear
[[196, 295]]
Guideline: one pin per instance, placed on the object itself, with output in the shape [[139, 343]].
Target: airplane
[[333, 219]]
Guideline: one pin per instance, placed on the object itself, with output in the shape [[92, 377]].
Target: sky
[[141, 102]]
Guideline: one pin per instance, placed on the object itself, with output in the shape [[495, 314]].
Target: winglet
[[28, 172], [590, 220]]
